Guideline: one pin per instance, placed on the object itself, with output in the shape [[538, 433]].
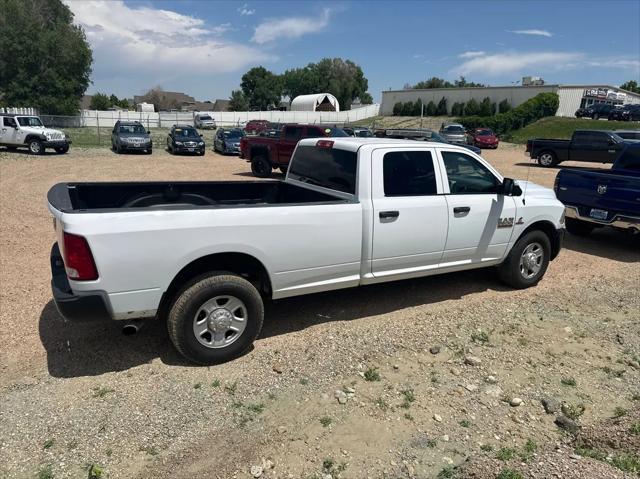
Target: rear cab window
[[408, 173], [327, 167]]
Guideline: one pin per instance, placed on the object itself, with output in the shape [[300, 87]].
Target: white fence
[[19, 111], [226, 118]]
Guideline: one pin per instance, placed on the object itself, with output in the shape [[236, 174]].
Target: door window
[[409, 173], [292, 133], [468, 176], [8, 121]]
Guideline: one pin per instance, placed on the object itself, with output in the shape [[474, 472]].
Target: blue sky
[[202, 48]]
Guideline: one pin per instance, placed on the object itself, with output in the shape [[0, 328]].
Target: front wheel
[[215, 318], [578, 228], [596, 116], [547, 159], [62, 149], [260, 167], [36, 147], [527, 261]]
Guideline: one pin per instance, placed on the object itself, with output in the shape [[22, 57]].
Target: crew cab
[[204, 256], [599, 146], [267, 153], [597, 198], [29, 131]]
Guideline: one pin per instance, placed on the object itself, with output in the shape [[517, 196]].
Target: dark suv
[[595, 111], [185, 139], [626, 113], [130, 135]]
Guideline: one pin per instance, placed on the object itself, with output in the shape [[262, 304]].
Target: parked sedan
[[228, 140], [595, 111], [454, 133], [185, 139], [483, 138]]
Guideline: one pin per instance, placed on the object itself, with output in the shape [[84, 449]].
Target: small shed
[[315, 102]]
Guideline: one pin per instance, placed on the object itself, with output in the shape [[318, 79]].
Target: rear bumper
[[89, 307], [617, 221]]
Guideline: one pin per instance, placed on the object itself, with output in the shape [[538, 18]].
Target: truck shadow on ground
[[89, 349], [606, 243]]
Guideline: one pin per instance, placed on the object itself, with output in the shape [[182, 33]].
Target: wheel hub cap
[[220, 320], [530, 260]]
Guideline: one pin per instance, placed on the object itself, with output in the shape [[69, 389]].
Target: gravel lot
[[79, 400]]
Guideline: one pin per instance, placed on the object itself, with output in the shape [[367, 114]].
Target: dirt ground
[[82, 400]]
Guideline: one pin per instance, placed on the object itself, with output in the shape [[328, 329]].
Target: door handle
[[461, 209], [389, 214]]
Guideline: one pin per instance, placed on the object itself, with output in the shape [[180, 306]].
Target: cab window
[[293, 133], [8, 121], [408, 173], [468, 176]]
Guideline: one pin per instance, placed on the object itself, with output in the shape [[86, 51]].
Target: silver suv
[[204, 121], [454, 133]]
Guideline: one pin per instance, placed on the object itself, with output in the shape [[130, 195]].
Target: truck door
[[288, 142], [595, 146], [409, 212], [8, 132], [480, 219]]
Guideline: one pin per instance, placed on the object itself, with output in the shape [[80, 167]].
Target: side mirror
[[509, 188], [611, 142], [148, 132], [16, 127]]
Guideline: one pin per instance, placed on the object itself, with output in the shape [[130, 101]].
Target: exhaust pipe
[[131, 328]]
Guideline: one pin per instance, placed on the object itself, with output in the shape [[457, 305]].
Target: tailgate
[[602, 190]]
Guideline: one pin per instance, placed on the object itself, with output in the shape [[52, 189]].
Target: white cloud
[[418, 56], [628, 64], [533, 31], [516, 62], [292, 27], [472, 54], [245, 10], [140, 41]]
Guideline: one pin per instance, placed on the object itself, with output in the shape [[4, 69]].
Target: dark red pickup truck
[[268, 153]]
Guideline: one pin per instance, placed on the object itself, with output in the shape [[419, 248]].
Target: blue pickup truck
[[596, 198]]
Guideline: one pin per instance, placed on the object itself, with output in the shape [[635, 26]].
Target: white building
[[315, 102], [571, 97]]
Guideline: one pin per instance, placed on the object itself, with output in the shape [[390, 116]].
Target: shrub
[[407, 109], [544, 104], [417, 108], [504, 106], [472, 108], [485, 107], [457, 109], [397, 109], [441, 109], [431, 109]]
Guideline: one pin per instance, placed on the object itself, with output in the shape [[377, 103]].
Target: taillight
[[555, 183], [78, 260], [324, 144]]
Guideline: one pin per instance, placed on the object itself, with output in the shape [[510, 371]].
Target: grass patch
[[151, 450], [447, 472], [45, 472], [408, 416], [304, 381], [372, 374], [48, 443], [509, 474], [635, 397], [480, 337], [94, 471], [505, 453], [408, 396], [382, 404], [231, 388], [568, 382], [486, 448], [102, 391], [562, 128], [624, 462], [329, 466], [635, 429], [256, 408], [613, 373], [215, 383], [434, 377], [326, 421], [465, 423], [197, 386]]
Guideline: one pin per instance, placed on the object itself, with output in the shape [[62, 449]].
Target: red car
[[255, 127], [483, 138]]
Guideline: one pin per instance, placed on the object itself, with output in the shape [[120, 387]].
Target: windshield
[[234, 134], [186, 132], [453, 129], [327, 167], [436, 137], [132, 129], [29, 121], [484, 133], [364, 133], [335, 132], [205, 117]]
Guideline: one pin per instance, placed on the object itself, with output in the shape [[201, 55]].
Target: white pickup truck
[[352, 211]]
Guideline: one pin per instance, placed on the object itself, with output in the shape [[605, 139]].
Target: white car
[[352, 211], [204, 121], [29, 131]]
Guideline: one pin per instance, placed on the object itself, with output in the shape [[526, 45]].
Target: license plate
[[190, 149], [598, 214]]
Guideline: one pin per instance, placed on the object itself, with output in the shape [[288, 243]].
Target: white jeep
[[24, 130]]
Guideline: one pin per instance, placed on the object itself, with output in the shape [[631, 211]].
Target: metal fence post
[[98, 123]]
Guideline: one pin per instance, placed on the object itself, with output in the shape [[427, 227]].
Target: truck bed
[[96, 197]]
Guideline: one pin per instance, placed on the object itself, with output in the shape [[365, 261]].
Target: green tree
[[262, 88], [407, 108], [100, 101], [485, 107], [441, 109], [435, 82], [342, 78], [504, 106], [631, 86], [471, 108], [397, 109], [463, 83], [366, 98], [238, 102], [417, 108], [457, 109], [45, 60], [431, 109]]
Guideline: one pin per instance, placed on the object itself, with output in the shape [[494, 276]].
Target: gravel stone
[[550, 405], [472, 361]]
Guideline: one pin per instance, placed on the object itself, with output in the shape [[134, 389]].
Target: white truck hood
[[41, 130], [533, 189]]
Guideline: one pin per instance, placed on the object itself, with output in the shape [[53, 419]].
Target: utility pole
[[421, 113]]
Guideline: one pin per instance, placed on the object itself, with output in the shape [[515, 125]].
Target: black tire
[[283, 169], [62, 150], [596, 116], [181, 317], [547, 159], [149, 151], [260, 166], [201, 153], [579, 228], [510, 270], [36, 147]]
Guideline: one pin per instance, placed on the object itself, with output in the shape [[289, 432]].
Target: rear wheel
[[36, 147], [578, 228], [527, 261], [62, 149], [547, 159], [596, 116], [260, 167], [215, 318]]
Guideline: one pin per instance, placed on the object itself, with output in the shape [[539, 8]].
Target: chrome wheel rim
[[531, 260], [546, 159], [220, 321], [34, 147]]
